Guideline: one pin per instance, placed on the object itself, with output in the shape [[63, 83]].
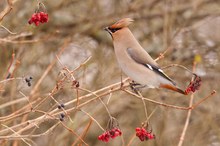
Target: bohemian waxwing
[[134, 61]]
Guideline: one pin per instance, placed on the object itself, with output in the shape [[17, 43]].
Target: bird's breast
[[137, 72]]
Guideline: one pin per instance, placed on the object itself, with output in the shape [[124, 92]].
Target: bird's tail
[[172, 87]]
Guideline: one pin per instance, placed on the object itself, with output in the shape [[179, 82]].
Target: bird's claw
[[136, 86]]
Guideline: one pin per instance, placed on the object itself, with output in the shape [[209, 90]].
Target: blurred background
[[188, 30]]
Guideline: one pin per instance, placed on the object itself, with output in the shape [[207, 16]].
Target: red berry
[[36, 23], [104, 137], [194, 85], [43, 17], [115, 132], [37, 18], [100, 137], [143, 134], [118, 132], [151, 136], [110, 134], [138, 129], [30, 21]]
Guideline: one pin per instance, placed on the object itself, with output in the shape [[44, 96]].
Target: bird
[[134, 60]]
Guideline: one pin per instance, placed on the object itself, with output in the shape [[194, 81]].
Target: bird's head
[[118, 25]]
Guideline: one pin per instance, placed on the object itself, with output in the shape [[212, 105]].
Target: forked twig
[[182, 137], [74, 133], [7, 29], [84, 133], [144, 104], [91, 117], [173, 106], [31, 136], [188, 114], [17, 134], [50, 66], [7, 10]]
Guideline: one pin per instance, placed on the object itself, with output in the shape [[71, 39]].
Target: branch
[[173, 106], [188, 115], [50, 66], [101, 92], [7, 10]]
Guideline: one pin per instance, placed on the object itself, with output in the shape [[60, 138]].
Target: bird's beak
[[107, 29]]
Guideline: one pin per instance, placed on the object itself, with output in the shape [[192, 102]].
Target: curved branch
[[7, 9]]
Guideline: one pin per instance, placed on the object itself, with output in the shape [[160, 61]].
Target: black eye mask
[[114, 29]]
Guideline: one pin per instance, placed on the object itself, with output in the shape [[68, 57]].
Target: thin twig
[[85, 131], [10, 79], [50, 66], [186, 122], [92, 119], [131, 139], [82, 64], [7, 10], [17, 134], [7, 29], [173, 106], [31, 136], [8, 74], [27, 98], [74, 133], [9, 103], [188, 115], [178, 65], [99, 99], [101, 92], [203, 99], [62, 108], [156, 102], [148, 118], [143, 101], [109, 97]]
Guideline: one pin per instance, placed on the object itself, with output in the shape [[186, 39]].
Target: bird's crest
[[122, 23]]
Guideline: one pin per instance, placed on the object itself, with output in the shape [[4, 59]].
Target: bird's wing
[[145, 59], [141, 56], [159, 71]]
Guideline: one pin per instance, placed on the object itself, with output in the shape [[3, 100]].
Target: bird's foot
[[122, 85], [136, 86]]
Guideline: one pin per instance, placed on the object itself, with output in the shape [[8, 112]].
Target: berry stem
[[145, 108], [99, 99], [92, 119]]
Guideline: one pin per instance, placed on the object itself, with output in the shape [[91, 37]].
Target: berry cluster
[[39, 17], [75, 83], [194, 85], [61, 106], [62, 116], [28, 81], [110, 134], [143, 134]]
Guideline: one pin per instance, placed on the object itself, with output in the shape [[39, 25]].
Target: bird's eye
[[114, 29]]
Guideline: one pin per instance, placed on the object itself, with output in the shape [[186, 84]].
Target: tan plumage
[[122, 23], [135, 61]]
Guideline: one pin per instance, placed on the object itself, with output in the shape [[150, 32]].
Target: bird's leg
[[121, 80], [136, 86]]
